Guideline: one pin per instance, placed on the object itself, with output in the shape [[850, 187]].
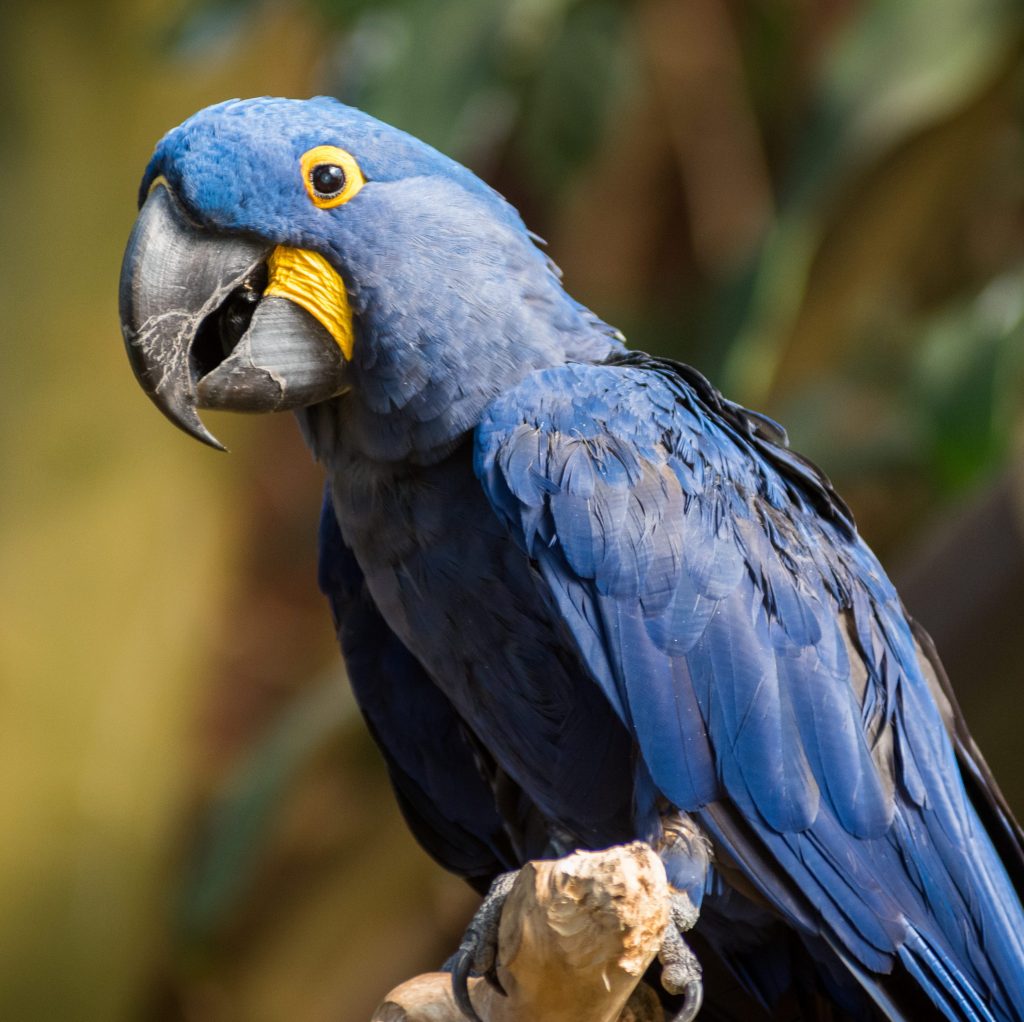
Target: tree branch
[[576, 936]]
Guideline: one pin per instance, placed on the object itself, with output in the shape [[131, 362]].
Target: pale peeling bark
[[576, 936]]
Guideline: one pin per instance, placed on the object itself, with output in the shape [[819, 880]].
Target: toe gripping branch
[[680, 970], [478, 952], [579, 931]]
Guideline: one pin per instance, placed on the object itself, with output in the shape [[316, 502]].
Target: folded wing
[[719, 595]]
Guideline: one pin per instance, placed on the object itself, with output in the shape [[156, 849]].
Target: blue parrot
[[583, 598]]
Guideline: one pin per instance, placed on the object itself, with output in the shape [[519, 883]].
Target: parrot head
[[292, 252]]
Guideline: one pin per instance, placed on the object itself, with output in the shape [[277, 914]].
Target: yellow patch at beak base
[[308, 279]]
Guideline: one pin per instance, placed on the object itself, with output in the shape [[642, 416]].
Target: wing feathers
[[717, 592]]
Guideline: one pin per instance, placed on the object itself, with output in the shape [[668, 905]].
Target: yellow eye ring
[[331, 176]]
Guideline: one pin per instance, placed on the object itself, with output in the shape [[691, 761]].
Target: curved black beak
[[200, 334]]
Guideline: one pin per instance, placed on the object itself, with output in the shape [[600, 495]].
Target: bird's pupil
[[328, 179]]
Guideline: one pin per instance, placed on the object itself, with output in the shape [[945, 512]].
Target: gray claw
[[461, 964], [680, 970], [691, 1003], [478, 952]]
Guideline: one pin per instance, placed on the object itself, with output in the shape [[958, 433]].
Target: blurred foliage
[[818, 202]]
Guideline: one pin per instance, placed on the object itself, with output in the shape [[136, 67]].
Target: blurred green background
[[818, 202]]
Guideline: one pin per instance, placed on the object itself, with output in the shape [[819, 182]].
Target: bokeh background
[[818, 202]]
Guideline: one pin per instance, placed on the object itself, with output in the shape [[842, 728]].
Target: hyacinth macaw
[[582, 597]]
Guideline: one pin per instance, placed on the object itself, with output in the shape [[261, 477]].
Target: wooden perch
[[576, 936]]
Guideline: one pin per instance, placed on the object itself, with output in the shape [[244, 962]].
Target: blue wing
[[446, 784], [718, 594]]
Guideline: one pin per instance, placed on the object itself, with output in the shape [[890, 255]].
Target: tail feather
[[949, 990]]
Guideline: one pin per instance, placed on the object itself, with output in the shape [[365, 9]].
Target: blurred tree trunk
[[116, 532], [965, 584]]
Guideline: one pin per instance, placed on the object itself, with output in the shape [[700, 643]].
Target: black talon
[[492, 977], [681, 972], [692, 1001], [461, 965], [478, 950]]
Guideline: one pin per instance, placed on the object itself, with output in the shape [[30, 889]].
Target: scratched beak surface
[[200, 334]]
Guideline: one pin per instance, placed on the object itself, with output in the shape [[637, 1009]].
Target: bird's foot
[[478, 952], [680, 970], [681, 973]]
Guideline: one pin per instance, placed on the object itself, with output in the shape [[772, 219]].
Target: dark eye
[[331, 176], [327, 179]]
